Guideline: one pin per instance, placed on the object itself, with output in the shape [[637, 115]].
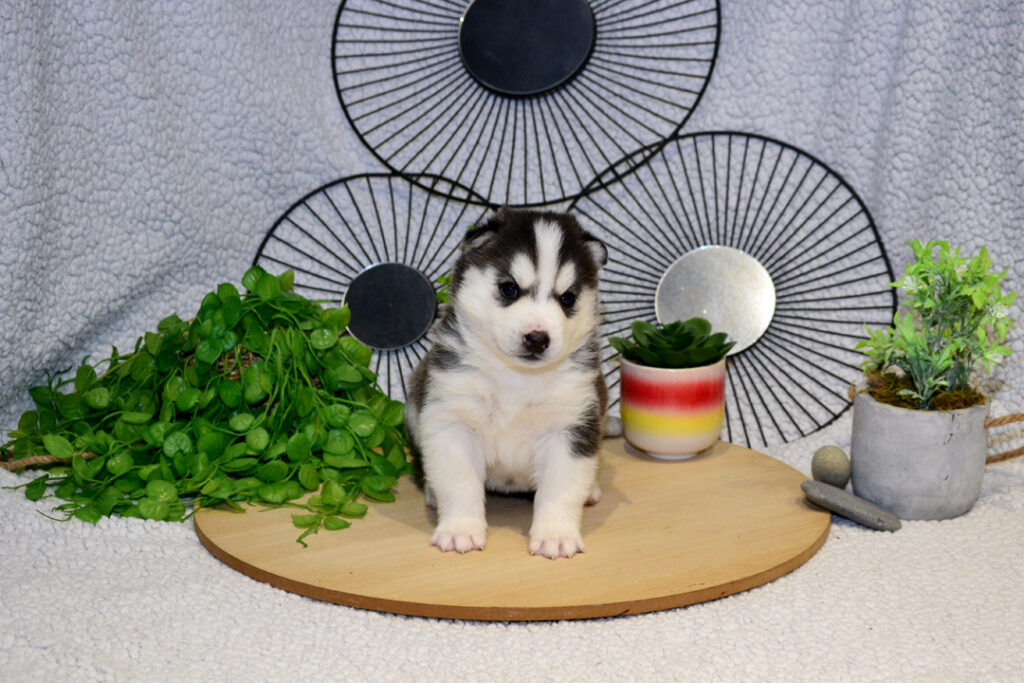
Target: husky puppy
[[511, 398]]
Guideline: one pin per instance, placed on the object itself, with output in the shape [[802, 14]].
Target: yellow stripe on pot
[[666, 423]]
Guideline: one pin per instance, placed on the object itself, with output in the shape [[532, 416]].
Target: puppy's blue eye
[[567, 300], [509, 290]]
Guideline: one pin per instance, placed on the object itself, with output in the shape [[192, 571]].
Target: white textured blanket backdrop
[[146, 148]]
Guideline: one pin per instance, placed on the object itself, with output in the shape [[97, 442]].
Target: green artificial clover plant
[[953, 319], [261, 398], [680, 344]]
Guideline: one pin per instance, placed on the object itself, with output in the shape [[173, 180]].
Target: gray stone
[[850, 506], [831, 465]]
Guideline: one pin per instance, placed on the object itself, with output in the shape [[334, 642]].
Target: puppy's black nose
[[536, 341]]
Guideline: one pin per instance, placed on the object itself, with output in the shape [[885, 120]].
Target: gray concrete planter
[[918, 464]]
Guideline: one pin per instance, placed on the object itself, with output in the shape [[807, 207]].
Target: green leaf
[[230, 393], [58, 446], [309, 477], [187, 399], [339, 441], [69, 406], [383, 496], [335, 523], [362, 423], [336, 319], [273, 471], [153, 342], [298, 448], [251, 277], [353, 510], [36, 489], [356, 350], [344, 461], [97, 398], [394, 414], [257, 440], [253, 391], [177, 443], [378, 482], [136, 418], [227, 293], [208, 351], [376, 437], [396, 456], [306, 520], [120, 463], [85, 378], [323, 339], [279, 492], [29, 421], [304, 401], [332, 493], [241, 422], [380, 465], [348, 374], [337, 414], [268, 287], [89, 514], [153, 509], [174, 386], [163, 491]]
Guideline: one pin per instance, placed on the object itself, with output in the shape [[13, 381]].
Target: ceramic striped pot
[[670, 412]]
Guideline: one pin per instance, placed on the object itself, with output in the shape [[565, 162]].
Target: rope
[[33, 460], [999, 422], [1004, 420]]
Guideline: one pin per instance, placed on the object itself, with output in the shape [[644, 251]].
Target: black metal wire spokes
[[332, 235], [793, 214], [407, 94]]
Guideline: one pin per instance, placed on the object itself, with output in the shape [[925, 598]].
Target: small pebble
[[831, 465], [850, 506]]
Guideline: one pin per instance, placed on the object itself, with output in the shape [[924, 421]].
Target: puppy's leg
[[564, 482], [455, 474]]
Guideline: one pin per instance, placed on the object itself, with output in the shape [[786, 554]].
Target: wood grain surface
[[665, 534]]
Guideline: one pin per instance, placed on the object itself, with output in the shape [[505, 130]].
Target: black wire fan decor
[[443, 87], [377, 243], [794, 216]]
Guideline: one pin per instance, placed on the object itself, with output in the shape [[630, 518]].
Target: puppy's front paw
[[460, 537], [558, 546]]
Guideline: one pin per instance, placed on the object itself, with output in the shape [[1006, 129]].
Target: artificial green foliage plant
[[262, 397], [679, 344], [953, 318]]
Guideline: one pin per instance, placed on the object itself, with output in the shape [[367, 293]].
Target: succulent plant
[[680, 344]]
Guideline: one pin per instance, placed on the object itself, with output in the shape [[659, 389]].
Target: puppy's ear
[[480, 235], [598, 251]]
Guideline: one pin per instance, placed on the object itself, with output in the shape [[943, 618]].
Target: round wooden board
[[665, 534]]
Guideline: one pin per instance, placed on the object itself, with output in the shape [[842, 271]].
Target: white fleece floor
[[135, 600]]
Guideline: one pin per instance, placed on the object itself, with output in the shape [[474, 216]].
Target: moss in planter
[[886, 387]]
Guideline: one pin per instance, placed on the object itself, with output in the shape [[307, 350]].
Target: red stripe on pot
[[685, 394]]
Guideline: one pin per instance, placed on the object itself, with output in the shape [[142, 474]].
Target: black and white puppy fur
[[511, 398]]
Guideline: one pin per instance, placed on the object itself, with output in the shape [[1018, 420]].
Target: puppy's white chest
[[512, 419]]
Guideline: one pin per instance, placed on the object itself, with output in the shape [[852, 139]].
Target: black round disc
[[392, 305], [525, 47]]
